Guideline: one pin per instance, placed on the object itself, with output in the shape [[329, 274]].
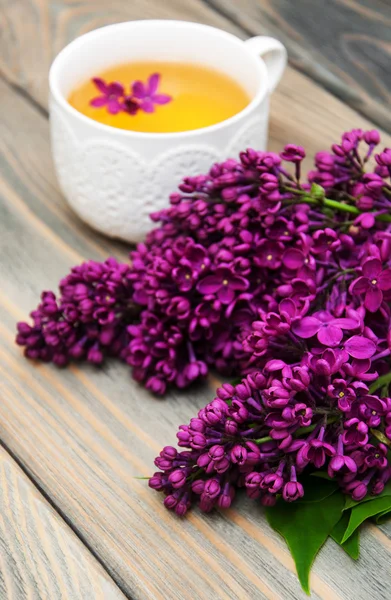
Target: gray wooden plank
[[40, 556], [32, 32], [344, 45]]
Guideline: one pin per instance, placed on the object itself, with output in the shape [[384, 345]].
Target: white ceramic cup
[[113, 178]]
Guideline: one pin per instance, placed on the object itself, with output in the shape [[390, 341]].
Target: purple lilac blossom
[[111, 95], [250, 272], [278, 422], [244, 256], [143, 96], [87, 322], [146, 95]]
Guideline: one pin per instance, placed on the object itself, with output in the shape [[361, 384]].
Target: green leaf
[[383, 517], [363, 511], [317, 489], [352, 545], [384, 380], [305, 527], [380, 436], [321, 475], [350, 503]]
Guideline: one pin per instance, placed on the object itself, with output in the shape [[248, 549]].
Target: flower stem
[[262, 440], [306, 198], [331, 204], [195, 475], [299, 431]]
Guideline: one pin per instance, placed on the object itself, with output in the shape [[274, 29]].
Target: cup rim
[[62, 101]]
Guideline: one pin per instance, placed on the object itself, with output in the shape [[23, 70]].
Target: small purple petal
[[226, 294], [153, 83], [373, 299], [344, 323], [384, 280], [337, 462], [161, 98], [367, 220], [138, 90], [288, 306], [361, 366], [100, 84], [359, 346], [238, 283], [350, 464], [307, 327], [275, 365], [293, 258], [359, 286], [99, 101], [115, 89], [330, 335], [210, 285], [113, 106], [147, 106], [371, 268]]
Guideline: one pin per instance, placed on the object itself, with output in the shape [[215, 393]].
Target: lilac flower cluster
[[143, 96], [238, 241], [89, 319], [264, 432], [310, 408], [253, 242], [321, 340]]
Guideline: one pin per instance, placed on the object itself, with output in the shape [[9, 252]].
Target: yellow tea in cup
[[169, 97]]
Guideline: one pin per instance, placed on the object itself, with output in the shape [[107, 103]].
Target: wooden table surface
[[74, 522]]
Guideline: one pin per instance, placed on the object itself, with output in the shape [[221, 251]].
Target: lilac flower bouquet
[[285, 282]]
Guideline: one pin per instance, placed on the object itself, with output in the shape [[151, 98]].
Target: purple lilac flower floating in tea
[[143, 96], [112, 96], [146, 96], [130, 106]]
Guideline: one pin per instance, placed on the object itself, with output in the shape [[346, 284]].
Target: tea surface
[[200, 97]]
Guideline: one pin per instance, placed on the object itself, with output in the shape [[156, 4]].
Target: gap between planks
[[40, 555]]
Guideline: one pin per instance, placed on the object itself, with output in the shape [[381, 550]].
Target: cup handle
[[274, 55]]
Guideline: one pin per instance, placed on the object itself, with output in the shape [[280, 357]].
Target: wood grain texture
[[344, 45], [40, 556], [83, 434], [26, 54]]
